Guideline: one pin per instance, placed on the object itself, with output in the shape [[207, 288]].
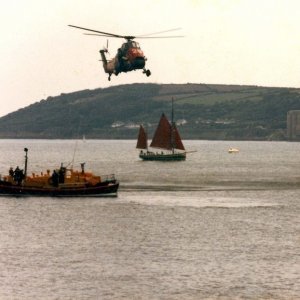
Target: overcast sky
[[253, 42]]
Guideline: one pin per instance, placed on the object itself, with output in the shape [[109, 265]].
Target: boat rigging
[[166, 137]]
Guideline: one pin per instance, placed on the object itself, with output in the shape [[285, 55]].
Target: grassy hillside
[[202, 112]]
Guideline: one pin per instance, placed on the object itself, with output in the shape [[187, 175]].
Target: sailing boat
[[166, 137]]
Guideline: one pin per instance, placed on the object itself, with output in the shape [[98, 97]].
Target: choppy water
[[217, 226]]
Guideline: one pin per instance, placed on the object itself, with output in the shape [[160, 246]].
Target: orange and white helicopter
[[129, 57]]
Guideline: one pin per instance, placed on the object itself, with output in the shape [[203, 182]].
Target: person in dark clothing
[[61, 174], [55, 178], [18, 175], [11, 172]]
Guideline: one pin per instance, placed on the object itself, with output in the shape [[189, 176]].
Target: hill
[[202, 111]]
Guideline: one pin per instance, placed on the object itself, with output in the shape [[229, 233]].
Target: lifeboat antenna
[[26, 159]]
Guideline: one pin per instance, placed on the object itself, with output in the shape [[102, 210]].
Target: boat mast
[[146, 132], [172, 127], [146, 135]]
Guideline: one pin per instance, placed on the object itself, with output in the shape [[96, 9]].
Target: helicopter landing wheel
[[147, 72]]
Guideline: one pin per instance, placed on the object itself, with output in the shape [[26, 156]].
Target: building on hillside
[[293, 125]]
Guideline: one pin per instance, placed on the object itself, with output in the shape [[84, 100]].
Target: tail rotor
[[106, 48]]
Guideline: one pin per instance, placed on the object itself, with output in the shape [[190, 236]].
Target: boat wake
[[216, 186]]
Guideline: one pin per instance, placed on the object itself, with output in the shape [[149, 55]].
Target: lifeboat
[[62, 182]]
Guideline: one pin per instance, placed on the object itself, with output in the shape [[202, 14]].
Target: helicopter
[[129, 57]]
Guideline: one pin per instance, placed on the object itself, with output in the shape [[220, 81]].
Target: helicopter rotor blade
[[97, 31], [127, 37], [160, 37], [96, 34], [140, 37], [159, 32]]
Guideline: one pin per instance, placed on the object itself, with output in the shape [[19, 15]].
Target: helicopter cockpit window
[[135, 45]]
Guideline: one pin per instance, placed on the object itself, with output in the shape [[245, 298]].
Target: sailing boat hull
[[163, 157]]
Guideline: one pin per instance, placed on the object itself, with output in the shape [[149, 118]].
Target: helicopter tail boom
[[103, 58], [108, 66]]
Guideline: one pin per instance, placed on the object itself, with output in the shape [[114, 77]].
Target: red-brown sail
[[162, 135], [177, 140], [142, 142], [164, 138]]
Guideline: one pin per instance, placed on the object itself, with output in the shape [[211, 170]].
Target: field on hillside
[[202, 111]]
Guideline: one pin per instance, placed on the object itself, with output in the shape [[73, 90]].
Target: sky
[[245, 42]]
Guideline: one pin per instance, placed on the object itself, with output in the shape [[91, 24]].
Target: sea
[[216, 226]]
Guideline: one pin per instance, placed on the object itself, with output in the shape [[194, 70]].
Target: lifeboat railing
[[108, 178]]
